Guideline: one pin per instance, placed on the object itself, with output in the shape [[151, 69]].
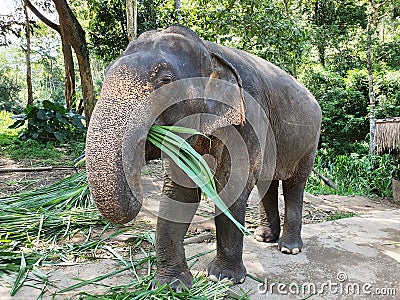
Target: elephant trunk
[[115, 146]]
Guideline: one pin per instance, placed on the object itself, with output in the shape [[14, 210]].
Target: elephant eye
[[165, 79]]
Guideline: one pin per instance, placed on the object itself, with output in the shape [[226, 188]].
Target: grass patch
[[34, 232], [341, 215], [202, 288]]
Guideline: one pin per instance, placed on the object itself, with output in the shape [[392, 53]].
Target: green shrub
[[388, 95], [9, 90], [354, 174], [52, 122], [344, 108], [341, 215]]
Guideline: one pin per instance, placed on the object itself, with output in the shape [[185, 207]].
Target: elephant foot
[[290, 245], [178, 282], [220, 269], [265, 234]]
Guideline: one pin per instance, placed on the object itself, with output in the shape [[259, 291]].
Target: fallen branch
[[36, 169], [200, 238]]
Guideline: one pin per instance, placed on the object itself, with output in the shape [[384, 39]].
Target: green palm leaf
[[191, 162]]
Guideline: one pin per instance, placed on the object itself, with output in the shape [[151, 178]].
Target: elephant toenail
[[295, 251], [285, 250], [259, 238], [213, 278]]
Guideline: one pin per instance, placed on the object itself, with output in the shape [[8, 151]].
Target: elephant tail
[[326, 180]]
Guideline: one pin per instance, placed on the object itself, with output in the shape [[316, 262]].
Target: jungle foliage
[[322, 43]]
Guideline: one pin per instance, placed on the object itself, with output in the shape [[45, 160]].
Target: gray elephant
[[262, 97]]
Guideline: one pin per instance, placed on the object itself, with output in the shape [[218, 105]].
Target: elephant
[[260, 97]]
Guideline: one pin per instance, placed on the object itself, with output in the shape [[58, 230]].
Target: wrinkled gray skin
[[158, 58]]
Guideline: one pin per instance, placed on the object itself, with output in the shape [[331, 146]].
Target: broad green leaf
[[61, 118], [77, 122], [43, 115], [49, 105], [59, 136]]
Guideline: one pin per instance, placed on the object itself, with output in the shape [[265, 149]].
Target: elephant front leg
[[228, 262], [270, 227], [177, 208]]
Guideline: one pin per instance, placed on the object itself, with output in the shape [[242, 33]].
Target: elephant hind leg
[[293, 193], [269, 229]]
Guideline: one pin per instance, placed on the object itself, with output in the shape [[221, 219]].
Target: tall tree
[[108, 31], [28, 56], [72, 35], [332, 24], [260, 27], [72, 31]]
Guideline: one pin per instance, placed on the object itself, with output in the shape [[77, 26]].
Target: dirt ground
[[17, 182], [317, 208]]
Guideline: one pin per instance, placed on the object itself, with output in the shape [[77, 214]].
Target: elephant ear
[[232, 94]]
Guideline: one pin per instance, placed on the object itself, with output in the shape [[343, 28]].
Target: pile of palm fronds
[[34, 226], [47, 212], [32, 221]]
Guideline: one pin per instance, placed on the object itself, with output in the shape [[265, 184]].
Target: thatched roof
[[387, 135]]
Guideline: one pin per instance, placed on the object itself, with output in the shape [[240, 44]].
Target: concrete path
[[354, 258]]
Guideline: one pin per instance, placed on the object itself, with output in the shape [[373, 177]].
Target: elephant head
[[134, 97]]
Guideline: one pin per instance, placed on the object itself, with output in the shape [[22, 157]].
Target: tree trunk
[[286, 3], [72, 34], [28, 55], [372, 100], [72, 31], [131, 20], [177, 10], [373, 20], [135, 17], [69, 87]]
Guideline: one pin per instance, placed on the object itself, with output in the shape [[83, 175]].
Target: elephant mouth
[[117, 146], [201, 144], [151, 152]]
